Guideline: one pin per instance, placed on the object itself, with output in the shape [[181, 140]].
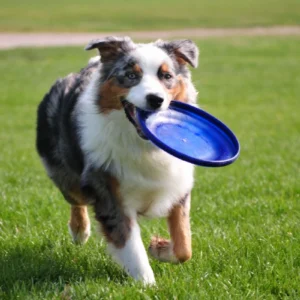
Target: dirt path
[[14, 40]]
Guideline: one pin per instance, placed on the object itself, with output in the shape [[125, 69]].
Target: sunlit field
[[245, 217]]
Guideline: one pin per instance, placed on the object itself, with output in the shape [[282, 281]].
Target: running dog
[[93, 149]]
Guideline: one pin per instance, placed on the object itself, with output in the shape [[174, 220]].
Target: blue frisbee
[[190, 134]]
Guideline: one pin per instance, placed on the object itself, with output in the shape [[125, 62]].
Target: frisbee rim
[[180, 107]]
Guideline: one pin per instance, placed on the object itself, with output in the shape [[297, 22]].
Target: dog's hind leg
[[179, 249], [79, 224]]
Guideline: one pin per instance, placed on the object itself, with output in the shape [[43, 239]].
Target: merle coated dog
[[93, 148]]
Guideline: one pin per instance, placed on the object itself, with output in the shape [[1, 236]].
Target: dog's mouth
[[131, 114]]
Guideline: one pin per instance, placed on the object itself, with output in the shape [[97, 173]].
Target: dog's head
[[147, 76]]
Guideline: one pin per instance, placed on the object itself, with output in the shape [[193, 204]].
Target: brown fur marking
[[179, 91], [110, 96], [114, 186], [137, 69], [179, 227], [164, 68], [79, 219]]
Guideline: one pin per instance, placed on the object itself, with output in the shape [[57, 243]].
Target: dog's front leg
[[132, 255], [179, 248], [120, 229]]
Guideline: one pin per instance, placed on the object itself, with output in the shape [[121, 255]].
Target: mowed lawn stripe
[[94, 15]]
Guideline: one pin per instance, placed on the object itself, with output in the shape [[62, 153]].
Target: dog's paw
[[149, 279], [146, 277], [80, 235], [162, 250]]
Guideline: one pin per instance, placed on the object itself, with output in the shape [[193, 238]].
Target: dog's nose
[[154, 101]]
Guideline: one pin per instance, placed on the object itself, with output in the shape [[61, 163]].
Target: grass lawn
[[106, 15], [245, 217]]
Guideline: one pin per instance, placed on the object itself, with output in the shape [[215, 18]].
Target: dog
[[93, 149]]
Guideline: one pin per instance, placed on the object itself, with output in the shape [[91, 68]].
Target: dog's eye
[[167, 76], [131, 75]]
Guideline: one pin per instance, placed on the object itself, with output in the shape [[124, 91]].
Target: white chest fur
[[153, 184], [151, 180]]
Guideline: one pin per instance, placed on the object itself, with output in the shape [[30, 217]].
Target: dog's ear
[[185, 51], [111, 47]]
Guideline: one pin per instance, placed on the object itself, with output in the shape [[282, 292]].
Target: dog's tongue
[[129, 108]]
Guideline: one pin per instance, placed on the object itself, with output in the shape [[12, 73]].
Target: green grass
[[245, 217], [106, 15]]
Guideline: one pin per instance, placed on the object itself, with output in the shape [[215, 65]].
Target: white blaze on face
[[149, 58]]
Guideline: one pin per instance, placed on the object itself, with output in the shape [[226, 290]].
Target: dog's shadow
[[33, 266]]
